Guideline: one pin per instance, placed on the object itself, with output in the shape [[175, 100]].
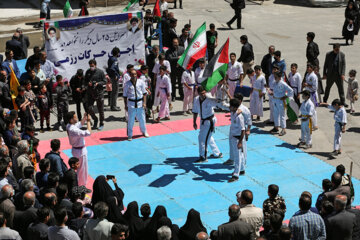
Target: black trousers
[[236, 17], [78, 109], [100, 106], [62, 110], [176, 81], [211, 53], [180, 1], [340, 85]]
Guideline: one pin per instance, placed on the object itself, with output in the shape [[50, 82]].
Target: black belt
[[135, 101], [77, 148], [211, 122], [233, 80]]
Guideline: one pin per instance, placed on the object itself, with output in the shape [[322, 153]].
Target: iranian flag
[[196, 49], [215, 71], [68, 12], [132, 6]]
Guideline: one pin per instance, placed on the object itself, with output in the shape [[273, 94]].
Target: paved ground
[[285, 26]]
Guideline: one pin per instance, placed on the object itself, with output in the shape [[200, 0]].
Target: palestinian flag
[[157, 11], [196, 49], [292, 109], [68, 12], [215, 71], [132, 6]]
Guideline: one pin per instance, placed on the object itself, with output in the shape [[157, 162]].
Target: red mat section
[[103, 137]]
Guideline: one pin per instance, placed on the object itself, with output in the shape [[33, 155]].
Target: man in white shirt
[[77, 141], [234, 74], [163, 6], [99, 228], [204, 106], [135, 102]]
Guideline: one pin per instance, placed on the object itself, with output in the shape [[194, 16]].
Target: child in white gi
[[237, 137], [295, 82], [204, 106], [188, 81], [306, 111], [223, 95], [234, 74], [258, 83], [311, 84], [340, 123], [156, 71], [270, 89], [352, 92], [280, 93], [164, 93]]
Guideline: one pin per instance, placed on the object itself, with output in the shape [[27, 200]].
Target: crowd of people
[[42, 197]]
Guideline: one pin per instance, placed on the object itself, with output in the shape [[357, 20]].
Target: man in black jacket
[[342, 223], [247, 54], [15, 45], [173, 55], [312, 50], [95, 81], [77, 90], [237, 5], [334, 72], [267, 62]]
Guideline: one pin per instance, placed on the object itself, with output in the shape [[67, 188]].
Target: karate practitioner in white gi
[[135, 103], [188, 81], [204, 106], [236, 139], [340, 123], [270, 90], [77, 141], [311, 84], [280, 93], [234, 74], [258, 83], [306, 111], [156, 70], [164, 93]]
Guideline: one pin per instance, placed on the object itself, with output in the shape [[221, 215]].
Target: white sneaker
[[146, 135], [129, 138]]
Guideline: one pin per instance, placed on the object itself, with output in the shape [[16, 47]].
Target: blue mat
[[160, 170]]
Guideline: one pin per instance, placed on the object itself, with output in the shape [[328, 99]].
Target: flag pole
[[160, 37]]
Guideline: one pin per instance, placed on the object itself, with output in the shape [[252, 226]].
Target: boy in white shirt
[[306, 111], [258, 83]]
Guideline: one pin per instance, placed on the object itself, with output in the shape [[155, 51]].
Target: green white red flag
[[216, 70], [196, 49], [132, 6], [68, 12]]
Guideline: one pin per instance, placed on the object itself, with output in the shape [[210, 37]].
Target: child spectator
[[340, 123], [24, 108], [30, 95], [188, 81], [352, 92], [42, 176], [45, 104], [62, 100], [70, 176]]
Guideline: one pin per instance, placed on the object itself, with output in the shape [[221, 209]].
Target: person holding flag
[[83, 6]]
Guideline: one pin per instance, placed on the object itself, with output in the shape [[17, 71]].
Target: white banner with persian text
[[71, 43]]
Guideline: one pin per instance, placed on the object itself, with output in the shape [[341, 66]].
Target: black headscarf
[[115, 214], [151, 229], [192, 226], [165, 221], [135, 223], [101, 190]]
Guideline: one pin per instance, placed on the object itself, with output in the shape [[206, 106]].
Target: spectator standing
[[247, 54], [9, 61], [70, 176], [30, 62], [99, 228], [61, 231], [77, 90], [83, 7], [334, 72], [95, 81], [39, 230], [267, 62], [237, 5], [24, 40], [57, 164], [114, 75], [192, 226], [212, 41], [274, 204], [15, 45], [62, 101], [48, 69], [5, 232], [7, 207], [119, 232], [45, 104], [312, 50], [305, 224]]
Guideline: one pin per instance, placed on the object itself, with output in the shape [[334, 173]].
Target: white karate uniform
[[312, 80], [156, 71], [234, 73], [134, 95], [306, 110], [222, 97], [295, 83], [281, 89], [188, 77], [198, 78], [207, 124], [164, 88], [256, 103], [340, 119], [271, 98], [236, 127], [77, 141]]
